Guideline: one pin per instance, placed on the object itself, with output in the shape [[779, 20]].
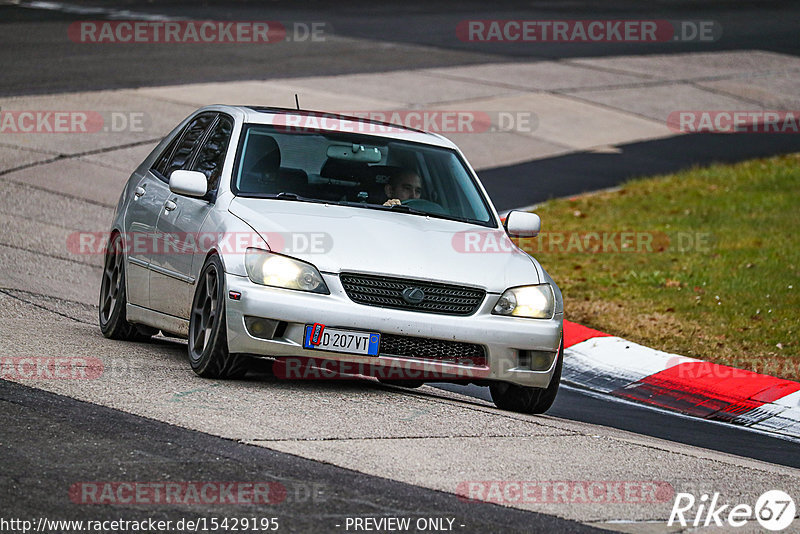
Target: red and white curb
[[614, 366]]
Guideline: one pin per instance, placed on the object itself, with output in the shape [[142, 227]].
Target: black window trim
[[211, 196], [171, 148], [177, 141]]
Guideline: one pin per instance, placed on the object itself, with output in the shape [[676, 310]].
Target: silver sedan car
[[330, 246]]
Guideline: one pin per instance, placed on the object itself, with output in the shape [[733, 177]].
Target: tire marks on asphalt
[[51, 304], [62, 157]]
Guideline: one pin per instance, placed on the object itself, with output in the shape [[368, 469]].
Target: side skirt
[[162, 321]]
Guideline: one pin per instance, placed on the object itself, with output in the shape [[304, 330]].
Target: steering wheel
[[424, 205]]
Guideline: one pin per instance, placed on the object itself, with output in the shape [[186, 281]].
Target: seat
[[351, 171], [375, 185], [341, 171], [292, 181]]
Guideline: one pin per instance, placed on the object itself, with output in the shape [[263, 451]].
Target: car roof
[[335, 122]]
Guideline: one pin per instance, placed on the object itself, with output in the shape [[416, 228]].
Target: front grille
[[387, 292], [438, 350]]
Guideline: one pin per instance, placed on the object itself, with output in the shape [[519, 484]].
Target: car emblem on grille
[[413, 295]]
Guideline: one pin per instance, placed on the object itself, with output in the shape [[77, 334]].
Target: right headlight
[[270, 269], [535, 302]]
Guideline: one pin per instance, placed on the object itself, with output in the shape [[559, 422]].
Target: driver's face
[[409, 186]]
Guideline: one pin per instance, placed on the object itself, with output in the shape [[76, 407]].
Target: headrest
[[383, 174], [265, 154], [345, 170]]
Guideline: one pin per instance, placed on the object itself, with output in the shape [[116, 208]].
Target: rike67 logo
[[774, 510]]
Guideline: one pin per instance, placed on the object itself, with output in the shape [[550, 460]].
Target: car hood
[[345, 238]]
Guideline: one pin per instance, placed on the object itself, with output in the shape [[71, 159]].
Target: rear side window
[[211, 157], [182, 149]]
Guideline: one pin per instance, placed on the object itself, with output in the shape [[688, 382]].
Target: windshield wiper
[[407, 209], [283, 195]]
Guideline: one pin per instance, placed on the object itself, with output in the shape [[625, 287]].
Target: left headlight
[[270, 269], [536, 302]]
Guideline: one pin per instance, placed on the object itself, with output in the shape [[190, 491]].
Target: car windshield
[[357, 170]]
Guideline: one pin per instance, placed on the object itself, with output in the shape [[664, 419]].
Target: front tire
[[208, 331], [523, 399], [113, 298]]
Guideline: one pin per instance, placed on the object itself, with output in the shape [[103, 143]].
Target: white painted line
[[111, 13]]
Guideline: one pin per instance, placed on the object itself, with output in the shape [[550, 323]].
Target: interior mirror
[[188, 183], [355, 152], [522, 224]]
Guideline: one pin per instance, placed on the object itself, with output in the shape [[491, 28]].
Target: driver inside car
[[402, 186]]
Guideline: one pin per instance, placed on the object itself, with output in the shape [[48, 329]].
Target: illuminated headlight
[[269, 269], [536, 302]]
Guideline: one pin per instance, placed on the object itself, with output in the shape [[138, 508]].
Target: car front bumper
[[502, 337]]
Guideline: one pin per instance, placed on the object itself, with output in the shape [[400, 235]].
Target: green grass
[[734, 300]]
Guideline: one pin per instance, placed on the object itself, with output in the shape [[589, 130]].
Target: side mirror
[[522, 224], [188, 183]]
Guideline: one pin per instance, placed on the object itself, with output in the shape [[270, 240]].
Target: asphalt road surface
[[579, 405], [413, 34], [50, 443], [125, 430], [410, 35]]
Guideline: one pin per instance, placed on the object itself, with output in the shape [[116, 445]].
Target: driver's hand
[[392, 202]]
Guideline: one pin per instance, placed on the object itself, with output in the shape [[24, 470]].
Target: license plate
[[337, 340]]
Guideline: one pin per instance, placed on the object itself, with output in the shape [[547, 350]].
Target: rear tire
[[113, 298], [208, 331], [512, 397]]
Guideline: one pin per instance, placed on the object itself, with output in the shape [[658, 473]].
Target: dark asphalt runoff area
[[50, 442], [531, 182]]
